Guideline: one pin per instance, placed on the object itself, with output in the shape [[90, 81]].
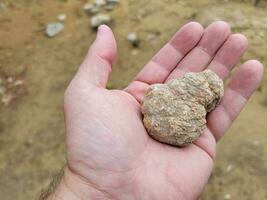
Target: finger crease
[[244, 98], [151, 81], [226, 112]]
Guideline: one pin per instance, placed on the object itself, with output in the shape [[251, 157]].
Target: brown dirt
[[32, 128]]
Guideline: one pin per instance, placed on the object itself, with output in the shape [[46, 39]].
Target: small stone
[[99, 19], [133, 39], [7, 98], [109, 7], [29, 142], [62, 17], [18, 83], [229, 168], [10, 79], [151, 36], [2, 90], [134, 52], [2, 6], [52, 29], [90, 9], [262, 34], [94, 10], [175, 112], [100, 2], [256, 142], [113, 1], [88, 6], [227, 196]]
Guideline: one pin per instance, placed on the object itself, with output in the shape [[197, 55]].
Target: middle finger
[[213, 38]]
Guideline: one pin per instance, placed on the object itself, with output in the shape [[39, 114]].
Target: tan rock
[[175, 112]]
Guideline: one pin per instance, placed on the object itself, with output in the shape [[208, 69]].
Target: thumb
[[97, 65]]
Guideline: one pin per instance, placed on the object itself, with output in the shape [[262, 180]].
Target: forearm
[[69, 186]]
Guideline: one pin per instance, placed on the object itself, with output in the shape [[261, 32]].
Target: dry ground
[[31, 127]]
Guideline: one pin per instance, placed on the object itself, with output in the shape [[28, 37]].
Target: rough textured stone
[[99, 19], [53, 29], [175, 112]]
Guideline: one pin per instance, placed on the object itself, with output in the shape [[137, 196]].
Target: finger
[[197, 60], [207, 142], [242, 85], [159, 67], [157, 70], [97, 65], [229, 55]]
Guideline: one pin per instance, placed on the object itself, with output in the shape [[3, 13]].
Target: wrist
[[73, 187]]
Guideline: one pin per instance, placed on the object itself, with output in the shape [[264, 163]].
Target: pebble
[[99, 19], [113, 1], [10, 79], [134, 52], [229, 168], [62, 17], [262, 34], [29, 142], [52, 29], [90, 9], [100, 2], [88, 6], [2, 6], [18, 83], [133, 39], [150, 36], [256, 142], [7, 98], [109, 7], [227, 196], [2, 90]]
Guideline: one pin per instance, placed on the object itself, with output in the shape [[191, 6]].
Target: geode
[[175, 112]]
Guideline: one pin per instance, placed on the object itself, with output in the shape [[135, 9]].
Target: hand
[[109, 153]]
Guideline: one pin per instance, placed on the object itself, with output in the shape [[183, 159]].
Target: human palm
[[108, 147]]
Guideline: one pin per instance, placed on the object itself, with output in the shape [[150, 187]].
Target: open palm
[[108, 148]]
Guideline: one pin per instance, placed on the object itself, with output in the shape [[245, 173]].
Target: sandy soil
[[31, 126]]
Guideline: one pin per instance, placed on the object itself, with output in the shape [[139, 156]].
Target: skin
[[109, 153]]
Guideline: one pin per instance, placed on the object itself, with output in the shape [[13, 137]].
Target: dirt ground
[[36, 69]]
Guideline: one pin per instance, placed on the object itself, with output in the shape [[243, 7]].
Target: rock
[[256, 142], [113, 1], [52, 29], [10, 79], [109, 7], [227, 196], [99, 19], [175, 112], [18, 83], [229, 168], [62, 17], [7, 98], [29, 142], [133, 39], [152, 37], [134, 52], [90, 9], [100, 2], [2, 6], [88, 6], [2, 90]]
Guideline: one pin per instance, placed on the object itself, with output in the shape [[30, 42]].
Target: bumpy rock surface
[[175, 112]]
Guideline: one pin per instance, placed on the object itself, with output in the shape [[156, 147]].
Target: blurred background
[[42, 43]]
